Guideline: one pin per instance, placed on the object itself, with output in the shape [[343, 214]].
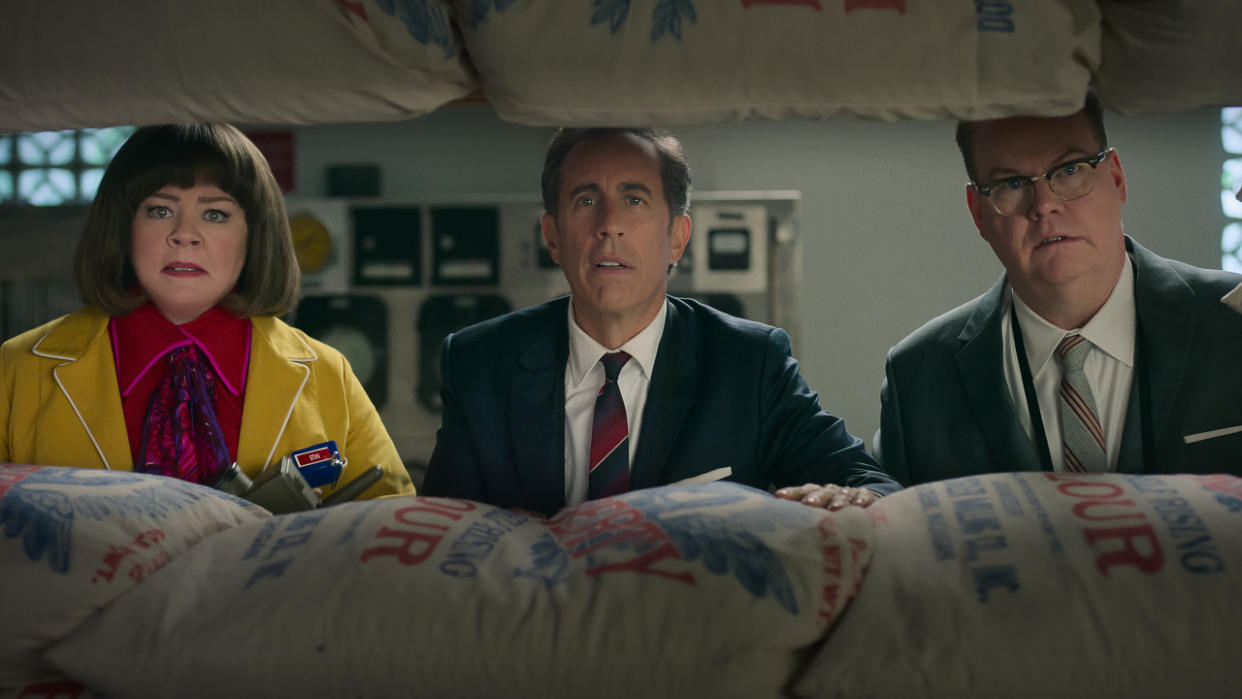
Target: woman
[[178, 365]]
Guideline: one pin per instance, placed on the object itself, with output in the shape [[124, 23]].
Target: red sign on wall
[[277, 147]]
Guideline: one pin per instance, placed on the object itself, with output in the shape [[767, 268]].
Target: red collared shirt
[[142, 340]]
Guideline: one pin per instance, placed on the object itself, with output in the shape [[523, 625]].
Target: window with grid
[[1230, 183], [54, 168]]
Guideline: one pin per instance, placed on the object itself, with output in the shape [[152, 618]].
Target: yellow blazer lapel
[[278, 374], [87, 380]]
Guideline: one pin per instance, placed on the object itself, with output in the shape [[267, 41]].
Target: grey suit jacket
[[724, 392], [946, 410]]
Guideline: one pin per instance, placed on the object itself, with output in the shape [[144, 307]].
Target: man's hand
[[831, 496]]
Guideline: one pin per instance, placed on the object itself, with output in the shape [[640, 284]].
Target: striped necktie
[[610, 435], [1081, 431]]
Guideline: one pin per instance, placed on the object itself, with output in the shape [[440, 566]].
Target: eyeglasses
[[1011, 196]]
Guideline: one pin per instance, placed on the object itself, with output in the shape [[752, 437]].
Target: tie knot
[[1073, 351], [184, 353], [613, 361]]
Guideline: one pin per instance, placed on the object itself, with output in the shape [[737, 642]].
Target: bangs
[[189, 162]]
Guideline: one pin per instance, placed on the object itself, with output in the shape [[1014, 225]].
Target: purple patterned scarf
[[180, 435]]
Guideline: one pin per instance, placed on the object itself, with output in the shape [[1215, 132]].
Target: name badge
[[320, 464]]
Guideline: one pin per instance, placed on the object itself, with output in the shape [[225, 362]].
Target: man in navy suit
[[980, 388], [702, 394]]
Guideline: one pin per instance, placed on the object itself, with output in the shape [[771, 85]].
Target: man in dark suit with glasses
[[1090, 354]]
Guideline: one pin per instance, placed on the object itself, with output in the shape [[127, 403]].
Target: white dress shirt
[[584, 376], [1109, 367]]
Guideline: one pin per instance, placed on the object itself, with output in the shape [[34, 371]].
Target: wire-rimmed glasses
[[1011, 196]]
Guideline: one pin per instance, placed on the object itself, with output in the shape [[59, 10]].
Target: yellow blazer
[[60, 404]]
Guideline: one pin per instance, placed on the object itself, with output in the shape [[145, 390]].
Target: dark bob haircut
[[674, 167], [965, 132], [184, 155]]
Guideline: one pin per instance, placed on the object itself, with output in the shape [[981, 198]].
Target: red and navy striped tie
[[1081, 432], [610, 435]]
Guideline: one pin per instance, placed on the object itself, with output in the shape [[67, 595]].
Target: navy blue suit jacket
[[724, 392], [946, 410]]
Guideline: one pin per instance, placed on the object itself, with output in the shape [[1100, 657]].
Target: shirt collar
[[1111, 329], [585, 352], [141, 338]]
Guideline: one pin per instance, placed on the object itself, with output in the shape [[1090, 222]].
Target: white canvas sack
[[702, 590], [663, 62], [1046, 585], [74, 539]]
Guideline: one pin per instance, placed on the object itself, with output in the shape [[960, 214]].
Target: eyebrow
[[204, 200], [623, 187], [590, 187], [999, 173], [636, 186]]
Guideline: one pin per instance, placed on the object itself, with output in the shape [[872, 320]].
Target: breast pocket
[[1214, 451]]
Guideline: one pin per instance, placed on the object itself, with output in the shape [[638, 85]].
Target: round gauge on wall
[[356, 347], [357, 326], [312, 242], [438, 316]]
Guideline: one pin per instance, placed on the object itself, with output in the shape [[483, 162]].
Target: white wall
[[887, 240]]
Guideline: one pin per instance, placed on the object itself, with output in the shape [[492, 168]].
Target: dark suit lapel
[[537, 404], [674, 383], [1163, 300], [980, 363], [1130, 455]]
